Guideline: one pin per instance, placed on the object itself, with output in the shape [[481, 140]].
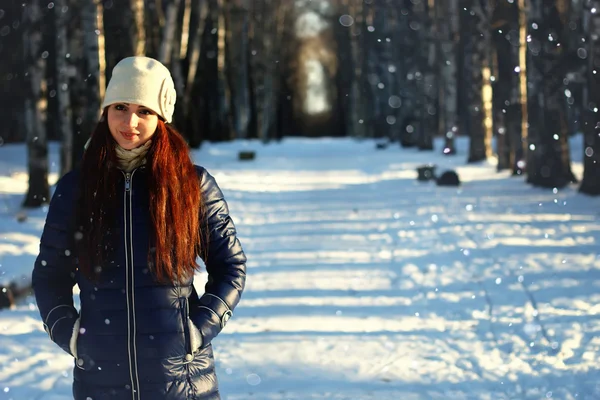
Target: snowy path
[[365, 284]]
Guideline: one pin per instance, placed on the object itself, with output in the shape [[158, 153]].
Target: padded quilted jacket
[[137, 339]]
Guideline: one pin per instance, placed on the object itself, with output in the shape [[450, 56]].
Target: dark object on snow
[[448, 178], [381, 146], [9, 295], [21, 217], [6, 297], [426, 172], [246, 155]]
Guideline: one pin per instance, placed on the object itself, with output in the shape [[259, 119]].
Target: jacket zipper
[[130, 286]]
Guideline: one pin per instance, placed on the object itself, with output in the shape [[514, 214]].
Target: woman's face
[[131, 125]]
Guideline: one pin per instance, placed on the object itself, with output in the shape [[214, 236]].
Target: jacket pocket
[[195, 336], [184, 309]]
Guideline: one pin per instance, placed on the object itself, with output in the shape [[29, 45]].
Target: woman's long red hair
[[176, 208]]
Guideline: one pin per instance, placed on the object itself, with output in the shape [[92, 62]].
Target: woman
[[127, 227]]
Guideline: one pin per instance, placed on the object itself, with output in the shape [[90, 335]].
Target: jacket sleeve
[[53, 275], [225, 263]]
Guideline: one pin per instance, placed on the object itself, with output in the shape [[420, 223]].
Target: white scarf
[[131, 159]]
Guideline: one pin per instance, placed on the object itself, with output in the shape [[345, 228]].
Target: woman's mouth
[[128, 135]]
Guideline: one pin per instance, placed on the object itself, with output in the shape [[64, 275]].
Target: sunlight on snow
[[368, 284]]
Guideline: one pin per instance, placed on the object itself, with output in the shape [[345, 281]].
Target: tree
[[475, 39], [548, 57], [506, 85], [62, 70], [124, 35], [93, 70], [429, 83], [264, 51], [38, 192], [409, 68], [591, 173], [11, 73], [449, 71], [190, 110], [351, 87], [236, 15]]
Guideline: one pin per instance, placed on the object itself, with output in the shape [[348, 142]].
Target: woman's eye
[[120, 107], [146, 112]]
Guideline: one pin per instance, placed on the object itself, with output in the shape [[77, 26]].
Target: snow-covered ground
[[366, 284]]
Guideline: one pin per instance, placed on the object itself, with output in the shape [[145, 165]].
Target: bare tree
[[475, 39], [11, 71], [63, 70], [38, 191], [191, 127], [223, 84], [93, 50], [429, 83], [548, 158], [506, 85], [449, 71], [237, 15], [169, 30], [591, 173], [357, 104], [122, 31], [263, 54]]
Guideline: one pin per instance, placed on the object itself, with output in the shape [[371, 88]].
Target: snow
[[366, 284]]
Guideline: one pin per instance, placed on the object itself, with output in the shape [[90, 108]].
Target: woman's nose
[[132, 119]]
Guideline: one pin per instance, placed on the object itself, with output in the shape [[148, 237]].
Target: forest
[[522, 74]]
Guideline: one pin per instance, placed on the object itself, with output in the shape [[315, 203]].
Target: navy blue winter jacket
[[137, 339]]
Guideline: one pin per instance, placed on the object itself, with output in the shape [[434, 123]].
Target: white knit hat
[[144, 81]]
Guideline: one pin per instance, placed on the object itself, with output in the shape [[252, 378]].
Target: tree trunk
[[429, 83], [38, 192], [48, 26], [409, 61], [223, 88], [506, 106], [12, 70], [154, 20], [591, 173], [169, 29], [175, 64], [357, 104], [62, 70], [137, 9], [449, 72], [192, 109], [261, 62], [236, 72], [476, 44], [94, 84], [548, 159], [120, 31]]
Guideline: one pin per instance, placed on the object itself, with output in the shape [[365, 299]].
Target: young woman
[[127, 228]]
